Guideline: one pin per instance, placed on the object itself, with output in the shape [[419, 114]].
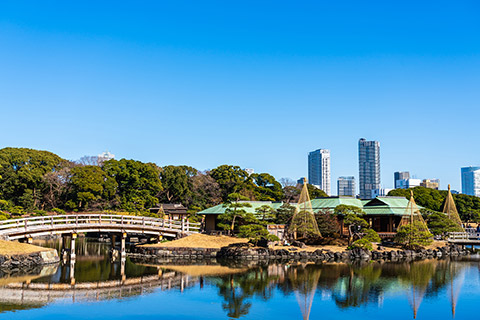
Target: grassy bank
[[9, 248]]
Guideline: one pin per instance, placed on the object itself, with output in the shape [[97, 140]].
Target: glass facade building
[[471, 181], [400, 175], [319, 169], [346, 186], [369, 167]]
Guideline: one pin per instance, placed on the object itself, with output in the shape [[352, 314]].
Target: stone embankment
[[174, 252], [28, 260], [245, 251]]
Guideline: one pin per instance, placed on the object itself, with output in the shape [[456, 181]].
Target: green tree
[[177, 186], [327, 223], [265, 212], [233, 179], [86, 185], [136, 185], [352, 218], [285, 213], [22, 172], [235, 213], [468, 206], [413, 235], [314, 192], [439, 224], [266, 187]]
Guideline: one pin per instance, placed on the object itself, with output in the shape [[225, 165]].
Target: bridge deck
[[47, 225]]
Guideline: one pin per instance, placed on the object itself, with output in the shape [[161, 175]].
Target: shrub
[[4, 215], [371, 236], [5, 205], [58, 211], [362, 244], [17, 211], [255, 233], [40, 212]]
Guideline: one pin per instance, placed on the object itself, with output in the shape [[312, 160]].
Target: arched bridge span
[[32, 227]]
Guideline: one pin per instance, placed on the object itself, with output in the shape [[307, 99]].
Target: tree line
[[38, 181], [468, 207]]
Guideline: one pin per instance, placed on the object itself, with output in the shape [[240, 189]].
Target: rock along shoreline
[[246, 251], [28, 260]]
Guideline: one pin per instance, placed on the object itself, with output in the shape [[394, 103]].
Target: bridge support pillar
[[122, 269], [72, 246], [122, 248], [72, 272], [113, 240]]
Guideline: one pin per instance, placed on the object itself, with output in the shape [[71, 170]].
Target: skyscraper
[[346, 186], [471, 181], [400, 175], [369, 167], [319, 169]]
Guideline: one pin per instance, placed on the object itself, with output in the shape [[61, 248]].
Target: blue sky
[[253, 83]]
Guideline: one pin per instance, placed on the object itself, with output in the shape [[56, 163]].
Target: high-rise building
[[346, 186], [431, 183], [319, 169], [382, 192], [400, 175], [471, 181], [408, 183], [369, 167], [301, 181]]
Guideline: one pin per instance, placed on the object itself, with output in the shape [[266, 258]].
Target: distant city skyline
[[217, 83]]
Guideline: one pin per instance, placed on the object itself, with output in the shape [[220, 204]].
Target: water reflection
[[95, 276]]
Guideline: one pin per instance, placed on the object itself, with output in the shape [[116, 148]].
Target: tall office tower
[[369, 167], [319, 169], [346, 186], [471, 181], [400, 175]]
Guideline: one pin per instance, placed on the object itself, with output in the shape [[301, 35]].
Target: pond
[[97, 287]]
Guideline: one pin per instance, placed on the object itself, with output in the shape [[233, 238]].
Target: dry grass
[[200, 241], [13, 247]]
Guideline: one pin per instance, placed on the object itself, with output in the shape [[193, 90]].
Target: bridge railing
[[473, 233], [73, 220], [457, 236]]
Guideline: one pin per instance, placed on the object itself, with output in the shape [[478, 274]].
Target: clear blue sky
[[253, 83]]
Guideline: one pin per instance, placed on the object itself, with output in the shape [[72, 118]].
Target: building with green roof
[[212, 213], [383, 213]]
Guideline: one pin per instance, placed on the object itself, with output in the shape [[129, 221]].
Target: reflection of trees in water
[[360, 286], [304, 280], [236, 290]]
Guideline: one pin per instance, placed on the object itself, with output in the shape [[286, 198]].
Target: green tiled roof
[[332, 202], [378, 206], [219, 209], [386, 206]]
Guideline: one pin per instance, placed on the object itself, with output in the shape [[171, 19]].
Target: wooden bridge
[[27, 228], [468, 238]]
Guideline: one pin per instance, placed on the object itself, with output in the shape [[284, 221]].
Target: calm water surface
[[95, 287]]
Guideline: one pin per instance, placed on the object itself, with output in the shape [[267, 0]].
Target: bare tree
[[287, 182], [88, 161]]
